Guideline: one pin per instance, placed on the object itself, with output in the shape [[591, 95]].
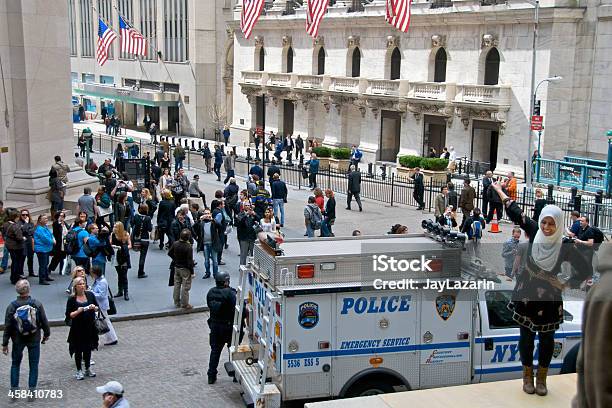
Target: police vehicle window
[[497, 307]]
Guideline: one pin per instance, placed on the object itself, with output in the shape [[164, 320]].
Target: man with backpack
[[312, 217], [74, 244], [24, 319]]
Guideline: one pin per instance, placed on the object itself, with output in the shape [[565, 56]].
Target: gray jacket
[[230, 162], [509, 252]]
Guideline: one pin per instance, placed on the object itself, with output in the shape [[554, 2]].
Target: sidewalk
[[153, 294]]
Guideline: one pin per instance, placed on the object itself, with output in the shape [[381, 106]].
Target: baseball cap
[[112, 387], [196, 176]]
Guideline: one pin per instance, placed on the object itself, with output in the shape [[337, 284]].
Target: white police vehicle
[[318, 328]]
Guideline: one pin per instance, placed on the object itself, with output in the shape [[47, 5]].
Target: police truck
[[355, 316]]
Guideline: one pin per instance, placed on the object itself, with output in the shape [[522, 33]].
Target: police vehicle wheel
[[370, 387]]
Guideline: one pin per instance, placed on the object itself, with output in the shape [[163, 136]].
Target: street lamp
[[536, 4], [555, 78]]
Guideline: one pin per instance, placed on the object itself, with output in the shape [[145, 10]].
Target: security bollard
[[173, 141], [200, 145], [370, 169], [267, 157], [598, 202], [193, 145], [248, 156], [549, 197], [234, 150], [577, 202], [256, 154]]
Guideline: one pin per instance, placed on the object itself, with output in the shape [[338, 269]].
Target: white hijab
[[546, 250]]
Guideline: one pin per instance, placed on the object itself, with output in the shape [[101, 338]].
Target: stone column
[[274, 112], [411, 135], [301, 116], [163, 119], [370, 134], [333, 132], [38, 123], [140, 115]]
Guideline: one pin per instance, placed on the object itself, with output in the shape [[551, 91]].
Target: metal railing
[[441, 3], [378, 183], [572, 173]]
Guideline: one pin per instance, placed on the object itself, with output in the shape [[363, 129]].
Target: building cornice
[[425, 18]]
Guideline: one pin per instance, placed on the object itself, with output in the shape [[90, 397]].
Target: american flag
[[314, 14], [251, 9], [106, 36], [131, 40], [398, 14]]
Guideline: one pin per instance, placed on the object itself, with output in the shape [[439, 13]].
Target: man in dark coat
[[419, 188], [299, 146], [221, 301], [495, 204], [487, 180], [180, 223], [466, 200], [354, 187]]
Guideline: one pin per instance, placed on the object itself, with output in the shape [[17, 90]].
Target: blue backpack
[[476, 230], [25, 316], [358, 154]]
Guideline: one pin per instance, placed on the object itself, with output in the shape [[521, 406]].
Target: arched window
[[289, 60], [321, 62], [262, 59], [440, 66], [491, 76], [396, 63], [356, 63]]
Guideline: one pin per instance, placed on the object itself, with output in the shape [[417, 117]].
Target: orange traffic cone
[[494, 223]]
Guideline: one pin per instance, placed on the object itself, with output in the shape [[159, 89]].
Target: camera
[[568, 240]]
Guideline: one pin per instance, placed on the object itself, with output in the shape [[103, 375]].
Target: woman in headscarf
[[537, 304]]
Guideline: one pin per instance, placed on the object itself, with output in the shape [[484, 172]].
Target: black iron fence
[[380, 183]]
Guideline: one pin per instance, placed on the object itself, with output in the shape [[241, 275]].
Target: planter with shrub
[[407, 165], [340, 160], [434, 169], [323, 154]]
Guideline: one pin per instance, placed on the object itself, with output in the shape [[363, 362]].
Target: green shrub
[[322, 151], [410, 161], [434, 164], [341, 153]]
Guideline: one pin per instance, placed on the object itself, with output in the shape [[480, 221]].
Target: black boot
[[125, 295]]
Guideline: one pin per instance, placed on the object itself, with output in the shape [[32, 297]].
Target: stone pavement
[[154, 295], [161, 362]]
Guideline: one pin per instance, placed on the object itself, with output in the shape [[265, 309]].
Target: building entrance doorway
[[288, 113], [153, 112], [485, 138], [390, 126], [173, 119], [434, 135]]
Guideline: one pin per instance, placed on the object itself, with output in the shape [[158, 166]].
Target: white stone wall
[[200, 78], [563, 33]]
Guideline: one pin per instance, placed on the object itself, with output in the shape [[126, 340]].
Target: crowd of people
[[116, 221]]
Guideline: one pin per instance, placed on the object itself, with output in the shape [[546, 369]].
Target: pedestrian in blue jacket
[[43, 245]]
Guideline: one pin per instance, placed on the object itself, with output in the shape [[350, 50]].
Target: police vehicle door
[[445, 337], [501, 359], [376, 330], [306, 363]]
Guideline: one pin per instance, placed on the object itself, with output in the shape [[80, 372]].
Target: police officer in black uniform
[[221, 301]]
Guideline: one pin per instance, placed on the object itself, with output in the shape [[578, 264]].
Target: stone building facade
[[184, 81], [460, 77]]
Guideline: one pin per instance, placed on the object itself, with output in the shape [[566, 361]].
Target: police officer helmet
[[221, 278]]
